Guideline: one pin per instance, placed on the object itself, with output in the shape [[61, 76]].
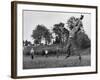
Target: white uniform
[[32, 51], [46, 52]]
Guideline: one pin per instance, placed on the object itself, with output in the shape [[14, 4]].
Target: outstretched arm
[[77, 26]]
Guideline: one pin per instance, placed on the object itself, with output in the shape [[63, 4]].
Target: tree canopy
[[61, 32], [41, 32]]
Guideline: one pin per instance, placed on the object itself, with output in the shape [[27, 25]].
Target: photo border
[[14, 37]]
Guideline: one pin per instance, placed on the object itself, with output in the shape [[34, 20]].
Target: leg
[[68, 52], [32, 56], [57, 53], [46, 55], [80, 58]]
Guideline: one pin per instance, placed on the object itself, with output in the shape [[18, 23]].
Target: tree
[[36, 41], [73, 22], [26, 43], [65, 34], [29, 43], [41, 32], [82, 40], [61, 32], [47, 37]]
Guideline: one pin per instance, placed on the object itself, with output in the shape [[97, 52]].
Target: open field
[[41, 61], [54, 62]]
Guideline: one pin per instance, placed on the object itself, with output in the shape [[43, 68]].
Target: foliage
[[40, 33], [61, 32], [82, 40], [73, 22], [26, 43]]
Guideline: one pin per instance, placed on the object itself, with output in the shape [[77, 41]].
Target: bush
[[82, 41]]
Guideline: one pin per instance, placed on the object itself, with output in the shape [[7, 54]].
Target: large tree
[[61, 32], [40, 33]]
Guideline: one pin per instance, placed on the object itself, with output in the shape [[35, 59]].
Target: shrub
[[82, 40]]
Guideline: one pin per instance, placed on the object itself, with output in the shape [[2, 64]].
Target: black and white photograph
[[56, 39], [53, 39]]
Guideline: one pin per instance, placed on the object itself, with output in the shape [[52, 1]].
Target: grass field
[[54, 62]]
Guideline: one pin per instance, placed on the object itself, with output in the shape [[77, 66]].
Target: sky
[[32, 18]]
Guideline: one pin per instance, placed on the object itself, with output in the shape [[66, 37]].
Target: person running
[[75, 25]]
